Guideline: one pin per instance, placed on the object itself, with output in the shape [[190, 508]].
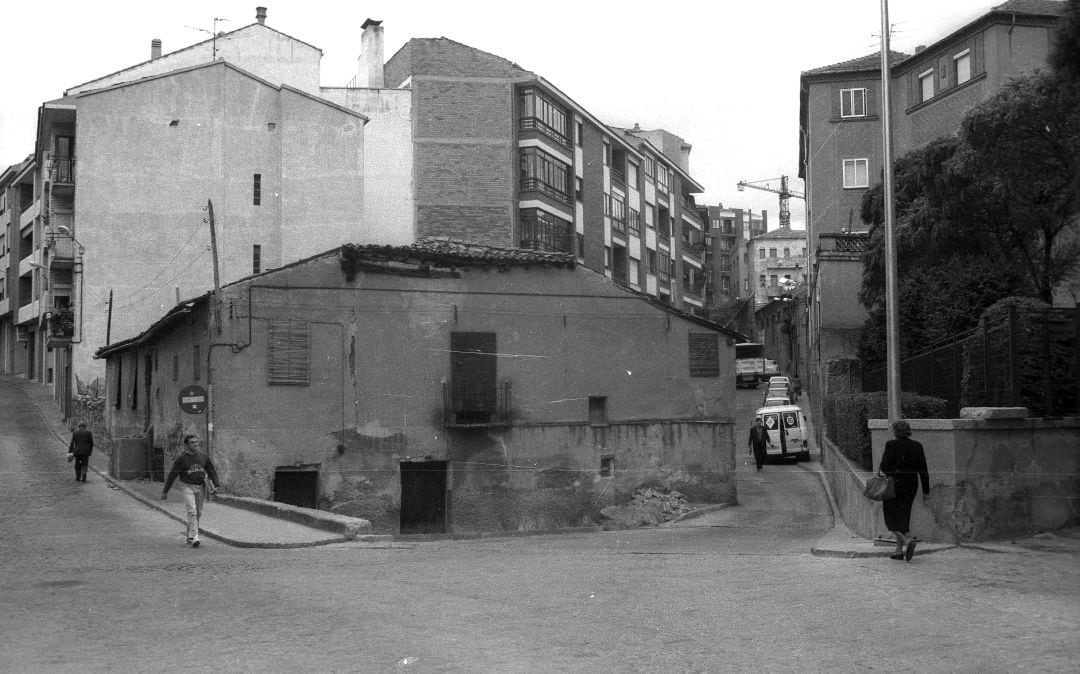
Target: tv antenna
[[213, 33]]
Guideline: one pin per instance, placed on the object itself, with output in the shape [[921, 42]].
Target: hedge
[[846, 415]]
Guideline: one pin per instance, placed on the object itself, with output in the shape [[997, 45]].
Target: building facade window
[[632, 174], [926, 85], [772, 252], [288, 354], [650, 261], [761, 253], [579, 133], [650, 168], [581, 245], [541, 230], [787, 252], [607, 153], [704, 350], [256, 259], [256, 190], [663, 178], [540, 113], [962, 66], [579, 188], [853, 102], [541, 172], [856, 173]]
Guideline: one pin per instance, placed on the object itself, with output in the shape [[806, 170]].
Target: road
[[95, 581]]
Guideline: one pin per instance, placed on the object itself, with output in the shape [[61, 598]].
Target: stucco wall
[[388, 161], [992, 479], [144, 182], [379, 360]]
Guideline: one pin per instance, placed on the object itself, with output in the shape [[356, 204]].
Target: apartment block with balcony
[[840, 148], [775, 256], [497, 155]]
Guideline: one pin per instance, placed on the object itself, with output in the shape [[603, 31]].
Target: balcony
[[62, 171], [62, 250], [61, 327], [693, 250], [537, 124], [479, 408], [540, 231], [538, 185]]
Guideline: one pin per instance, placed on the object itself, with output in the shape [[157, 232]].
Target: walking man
[[759, 437], [196, 473], [81, 447]]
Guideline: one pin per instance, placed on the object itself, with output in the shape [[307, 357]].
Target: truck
[[751, 365]]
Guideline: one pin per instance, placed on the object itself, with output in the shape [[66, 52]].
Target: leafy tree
[[1021, 150]]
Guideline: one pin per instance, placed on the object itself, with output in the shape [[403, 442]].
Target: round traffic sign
[[193, 399]]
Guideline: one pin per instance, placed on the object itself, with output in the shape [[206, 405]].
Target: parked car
[[777, 401], [788, 431]]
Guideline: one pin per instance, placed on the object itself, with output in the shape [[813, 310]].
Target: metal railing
[[485, 406], [1029, 361], [538, 185], [537, 124], [62, 170]]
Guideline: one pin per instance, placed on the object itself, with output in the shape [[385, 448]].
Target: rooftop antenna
[[213, 33]]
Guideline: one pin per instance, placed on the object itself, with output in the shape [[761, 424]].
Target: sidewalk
[[239, 524]]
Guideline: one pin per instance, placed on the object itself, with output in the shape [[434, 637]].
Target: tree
[[949, 272], [1021, 149]]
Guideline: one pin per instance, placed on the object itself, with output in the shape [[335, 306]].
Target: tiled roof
[[1042, 7], [458, 253], [853, 242], [868, 62]]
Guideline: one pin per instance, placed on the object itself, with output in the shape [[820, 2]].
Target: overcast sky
[[723, 75]]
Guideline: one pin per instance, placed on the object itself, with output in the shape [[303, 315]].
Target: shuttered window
[[289, 353], [704, 354]]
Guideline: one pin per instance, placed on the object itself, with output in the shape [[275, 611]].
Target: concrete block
[[994, 413], [349, 527]]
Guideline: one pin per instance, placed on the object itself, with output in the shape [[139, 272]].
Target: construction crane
[[784, 192]]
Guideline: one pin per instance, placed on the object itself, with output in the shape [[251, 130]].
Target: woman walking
[[905, 462]]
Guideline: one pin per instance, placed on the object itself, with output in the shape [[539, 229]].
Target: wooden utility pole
[[216, 314], [108, 322]]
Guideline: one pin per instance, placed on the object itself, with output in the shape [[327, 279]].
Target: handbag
[[880, 488]]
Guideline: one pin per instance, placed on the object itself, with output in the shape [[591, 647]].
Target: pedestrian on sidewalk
[[759, 437], [198, 482], [905, 462], [796, 388], [80, 448]]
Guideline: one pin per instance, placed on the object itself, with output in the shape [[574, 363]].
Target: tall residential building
[[840, 150], [488, 152], [729, 296]]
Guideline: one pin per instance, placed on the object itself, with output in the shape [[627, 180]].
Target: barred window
[[289, 353]]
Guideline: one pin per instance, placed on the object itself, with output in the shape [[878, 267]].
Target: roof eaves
[[181, 309]]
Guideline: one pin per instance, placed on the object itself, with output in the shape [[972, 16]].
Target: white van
[[788, 431]]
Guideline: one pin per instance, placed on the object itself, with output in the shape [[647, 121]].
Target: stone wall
[[993, 478]]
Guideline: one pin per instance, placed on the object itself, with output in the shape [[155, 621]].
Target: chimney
[[921, 48], [370, 64], [260, 15], [155, 49]]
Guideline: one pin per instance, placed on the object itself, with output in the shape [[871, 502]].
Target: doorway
[[423, 497], [298, 487]]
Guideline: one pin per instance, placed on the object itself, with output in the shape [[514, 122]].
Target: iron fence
[[1018, 360]]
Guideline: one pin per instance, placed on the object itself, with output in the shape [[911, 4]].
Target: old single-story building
[[436, 387]]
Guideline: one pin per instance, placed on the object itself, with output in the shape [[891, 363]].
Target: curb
[[351, 528], [209, 533]]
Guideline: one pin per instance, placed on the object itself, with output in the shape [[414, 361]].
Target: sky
[[723, 75]]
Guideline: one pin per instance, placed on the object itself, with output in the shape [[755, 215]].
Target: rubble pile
[[648, 507]]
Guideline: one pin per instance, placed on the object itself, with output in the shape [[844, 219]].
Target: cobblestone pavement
[[95, 581]]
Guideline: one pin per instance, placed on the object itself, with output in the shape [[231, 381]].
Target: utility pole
[[892, 310], [216, 313], [108, 322]]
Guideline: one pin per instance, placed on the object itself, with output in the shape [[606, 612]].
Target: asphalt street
[[94, 580]]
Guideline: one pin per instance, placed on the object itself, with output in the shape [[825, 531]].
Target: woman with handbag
[[905, 462]]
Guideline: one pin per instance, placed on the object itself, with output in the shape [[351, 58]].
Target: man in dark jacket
[[81, 447], [759, 437], [196, 473]]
